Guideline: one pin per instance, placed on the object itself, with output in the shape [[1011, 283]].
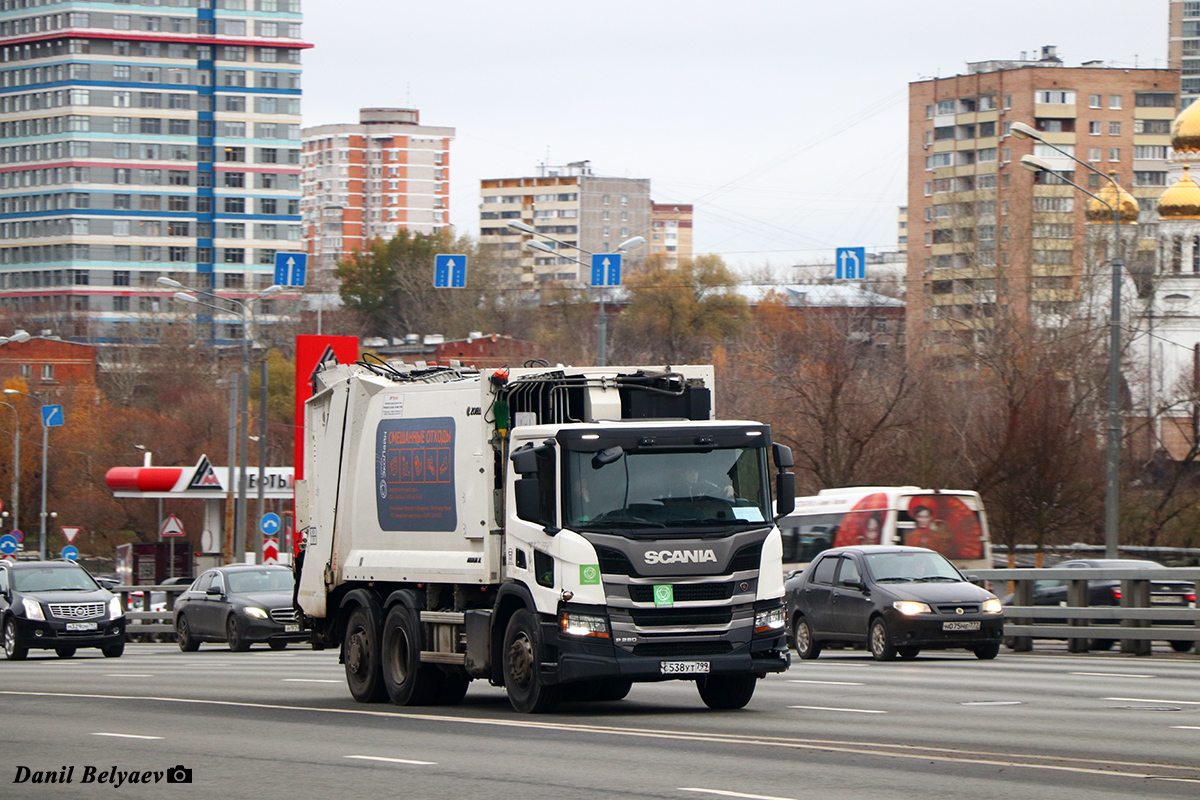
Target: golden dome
[[1181, 201], [1185, 130], [1112, 194]]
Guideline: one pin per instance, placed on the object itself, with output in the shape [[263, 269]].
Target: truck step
[[434, 657], [443, 617]]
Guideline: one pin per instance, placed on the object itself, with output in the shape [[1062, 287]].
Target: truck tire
[[522, 675], [407, 681], [361, 655], [723, 692]]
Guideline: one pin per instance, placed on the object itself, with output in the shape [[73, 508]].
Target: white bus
[[949, 521]]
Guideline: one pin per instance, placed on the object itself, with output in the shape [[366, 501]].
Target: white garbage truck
[[563, 532]]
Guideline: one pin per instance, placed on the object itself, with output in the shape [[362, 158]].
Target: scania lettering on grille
[[680, 556]]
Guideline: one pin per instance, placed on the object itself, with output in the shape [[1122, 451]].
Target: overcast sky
[[783, 122]]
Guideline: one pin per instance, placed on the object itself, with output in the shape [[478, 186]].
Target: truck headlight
[[33, 609], [910, 607], [256, 612], [770, 620], [992, 606], [573, 623], [114, 608]]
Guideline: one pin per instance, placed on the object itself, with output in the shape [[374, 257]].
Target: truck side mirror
[[783, 456], [535, 492], [785, 493]]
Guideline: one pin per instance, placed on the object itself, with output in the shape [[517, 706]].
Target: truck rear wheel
[[522, 676], [408, 682], [726, 691], [361, 655]]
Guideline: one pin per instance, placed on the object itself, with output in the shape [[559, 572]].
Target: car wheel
[[277, 644], [183, 635], [522, 676], [407, 681], [233, 635], [880, 641], [64, 652], [360, 652], [114, 650], [908, 653], [986, 652], [1181, 647], [806, 647], [723, 692], [12, 650]]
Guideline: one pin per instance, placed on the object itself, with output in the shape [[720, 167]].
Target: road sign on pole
[[270, 523], [449, 271], [606, 269], [18, 535], [851, 263], [171, 527], [70, 532], [290, 268], [52, 416], [70, 553], [9, 544], [271, 551]]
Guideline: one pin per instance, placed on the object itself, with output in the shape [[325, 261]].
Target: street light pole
[[1112, 456], [16, 493], [45, 442]]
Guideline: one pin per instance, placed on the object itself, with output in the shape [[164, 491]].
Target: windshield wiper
[[930, 578], [889, 580]]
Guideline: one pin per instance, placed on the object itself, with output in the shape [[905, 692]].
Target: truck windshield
[[661, 489]]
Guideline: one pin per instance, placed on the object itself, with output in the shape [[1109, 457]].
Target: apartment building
[[1183, 48], [671, 231], [139, 140], [985, 233], [367, 181], [569, 204]]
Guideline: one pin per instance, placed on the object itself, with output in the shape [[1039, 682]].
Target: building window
[[1094, 101], [1094, 154], [1114, 129], [1094, 128], [235, 255], [1114, 154], [1114, 101]]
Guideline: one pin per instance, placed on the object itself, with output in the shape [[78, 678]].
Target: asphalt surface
[[269, 724]]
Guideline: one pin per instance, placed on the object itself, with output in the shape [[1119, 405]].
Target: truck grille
[[674, 617], [680, 649], [283, 614], [684, 592], [77, 610]]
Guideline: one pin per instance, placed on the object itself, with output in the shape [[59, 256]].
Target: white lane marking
[[723, 793], [994, 703], [310, 680], [396, 760], [847, 710], [1112, 674], [878, 749], [1186, 727], [827, 683], [128, 675], [1144, 700], [126, 736]]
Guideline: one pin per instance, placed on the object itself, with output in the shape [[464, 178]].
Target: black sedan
[[894, 600], [239, 605], [57, 605]]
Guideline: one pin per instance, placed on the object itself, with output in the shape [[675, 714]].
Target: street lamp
[[601, 316], [1112, 460], [242, 310], [45, 442]]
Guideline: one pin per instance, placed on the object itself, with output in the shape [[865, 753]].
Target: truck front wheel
[[361, 654], [726, 691], [522, 677]]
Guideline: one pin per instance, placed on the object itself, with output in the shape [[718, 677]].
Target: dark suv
[[56, 605]]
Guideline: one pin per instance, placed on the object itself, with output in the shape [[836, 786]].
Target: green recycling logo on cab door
[[589, 574]]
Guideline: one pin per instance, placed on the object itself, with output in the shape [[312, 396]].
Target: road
[[269, 724]]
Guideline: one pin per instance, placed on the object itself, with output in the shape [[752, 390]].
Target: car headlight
[[573, 623], [770, 620], [33, 609], [114, 608], [910, 607], [992, 606], [256, 612]]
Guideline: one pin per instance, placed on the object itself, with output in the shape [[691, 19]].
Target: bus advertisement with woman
[[949, 521]]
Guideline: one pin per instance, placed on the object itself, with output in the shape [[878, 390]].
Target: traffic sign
[[70, 553], [18, 535], [290, 269], [171, 527], [271, 551], [70, 531], [52, 416], [270, 523], [851, 263], [9, 544], [449, 271], [606, 269]]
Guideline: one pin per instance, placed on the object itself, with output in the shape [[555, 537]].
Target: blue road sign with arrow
[[851, 263], [70, 552], [449, 271], [606, 269], [270, 523], [290, 268], [52, 416], [9, 544]]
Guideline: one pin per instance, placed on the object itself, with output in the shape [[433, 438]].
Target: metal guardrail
[[147, 623], [1134, 623]]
